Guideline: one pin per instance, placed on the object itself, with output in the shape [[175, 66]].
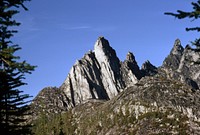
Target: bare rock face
[[173, 60], [130, 70], [84, 81], [181, 64], [109, 67], [100, 74]]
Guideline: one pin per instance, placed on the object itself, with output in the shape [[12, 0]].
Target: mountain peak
[[178, 48], [101, 43], [148, 69], [172, 61], [130, 57], [103, 51]]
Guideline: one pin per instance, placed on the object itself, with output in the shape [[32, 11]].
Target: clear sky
[[55, 33]]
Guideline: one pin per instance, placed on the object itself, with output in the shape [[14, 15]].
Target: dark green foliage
[[13, 108], [194, 15]]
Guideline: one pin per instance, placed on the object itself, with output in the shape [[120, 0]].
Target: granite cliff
[[103, 95], [98, 75]]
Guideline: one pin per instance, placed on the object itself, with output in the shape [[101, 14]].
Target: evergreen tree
[[194, 14], [13, 108]]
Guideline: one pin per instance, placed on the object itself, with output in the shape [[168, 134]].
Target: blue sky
[[55, 33]]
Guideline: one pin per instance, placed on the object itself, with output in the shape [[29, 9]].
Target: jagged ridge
[[180, 65], [101, 75]]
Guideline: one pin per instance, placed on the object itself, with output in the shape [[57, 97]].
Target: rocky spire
[[104, 52], [110, 66], [148, 69], [131, 63], [178, 48], [178, 65], [130, 70], [96, 76], [102, 44], [130, 57], [172, 61]]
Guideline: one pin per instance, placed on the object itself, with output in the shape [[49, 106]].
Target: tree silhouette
[[13, 108], [193, 15]]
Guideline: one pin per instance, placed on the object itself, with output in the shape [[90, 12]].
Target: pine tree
[[13, 107], [194, 15]]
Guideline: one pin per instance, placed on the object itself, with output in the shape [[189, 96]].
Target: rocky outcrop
[[148, 69], [130, 70], [50, 100], [181, 64], [109, 67], [172, 61]]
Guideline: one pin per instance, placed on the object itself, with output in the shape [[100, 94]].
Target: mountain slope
[[155, 105]]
